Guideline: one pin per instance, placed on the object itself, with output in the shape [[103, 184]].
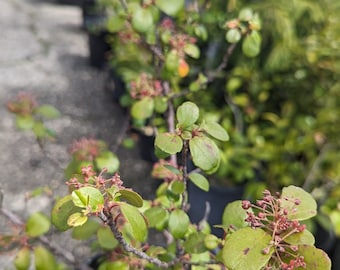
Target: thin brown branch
[[128, 248]]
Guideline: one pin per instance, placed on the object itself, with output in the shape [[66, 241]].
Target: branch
[[128, 248]]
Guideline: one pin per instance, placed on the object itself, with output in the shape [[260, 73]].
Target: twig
[[128, 248]]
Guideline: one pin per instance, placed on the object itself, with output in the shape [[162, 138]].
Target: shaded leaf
[[307, 205], [142, 20], [142, 109], [107, 160], [171, 8], [117, 265], [44, 259], [177, 187], [251, 45], [85, 231], [195, 243], [106, 238], [187, 114], [24, 122], [178, 223], [131, 197], [157, 217], [216, 130], [244, 249], [37, 224], [61, 211], [135, 220], [205, 153], [169, 143], [47, 111], [199, 180]]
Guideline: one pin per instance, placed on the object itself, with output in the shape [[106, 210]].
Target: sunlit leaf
[[88, 197], [142, 109], [251, 45], [22, 259], [77, 219], [44, 259], [24, 122], [135, 220], [315, 259], [142, 20], [302, 238], [131, 197], [61, 211], [37, 224], [244, 249], [299, 203], [234, 215]]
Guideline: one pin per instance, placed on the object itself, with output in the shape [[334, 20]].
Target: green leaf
[[157, 217], [44, 259], [195, 243], [131, 197], [244, 249], [216, 130], [199, 180], [22, 259], [315, 259], [117, 265], [24, 122], [307, 205], [115, 24], [234, 215], [205, 153], [37, 224], [106, 238], [233, 35], [178, 223], [172, 61], [169, 143], [142, 109], [47, 111], [177, 187], [135, 220], [251, 45], [77, 219], [85, 231], [40, 130], [302, 238], [142, 20], [192, 50], [171, 8], [187, 114], [61, 211], [88, 197], [107, 160], [246, 14], [161, 104]]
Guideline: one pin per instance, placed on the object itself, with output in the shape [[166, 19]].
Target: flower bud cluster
[[87, 149], [269, 215], [24, 104], [145, 86]]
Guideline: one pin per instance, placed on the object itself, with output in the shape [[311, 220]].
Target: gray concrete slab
[[43, 50]]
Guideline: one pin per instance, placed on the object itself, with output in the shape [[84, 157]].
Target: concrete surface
[[43, 50]]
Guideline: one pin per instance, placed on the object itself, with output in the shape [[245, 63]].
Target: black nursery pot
[[98, 49], [218, 198], [71, 2]]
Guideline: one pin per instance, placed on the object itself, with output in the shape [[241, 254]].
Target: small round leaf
[[233, 35], [169, 143], [88, 197], [37, 224], [251, 45], [23, 259], [171, 8], [107, 160], [131, 197], [142, 109], [187, 114], [135, 221], [216, 130], [106, 238], [77, 219], [142, 20], [178, 223], [199, 180]]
